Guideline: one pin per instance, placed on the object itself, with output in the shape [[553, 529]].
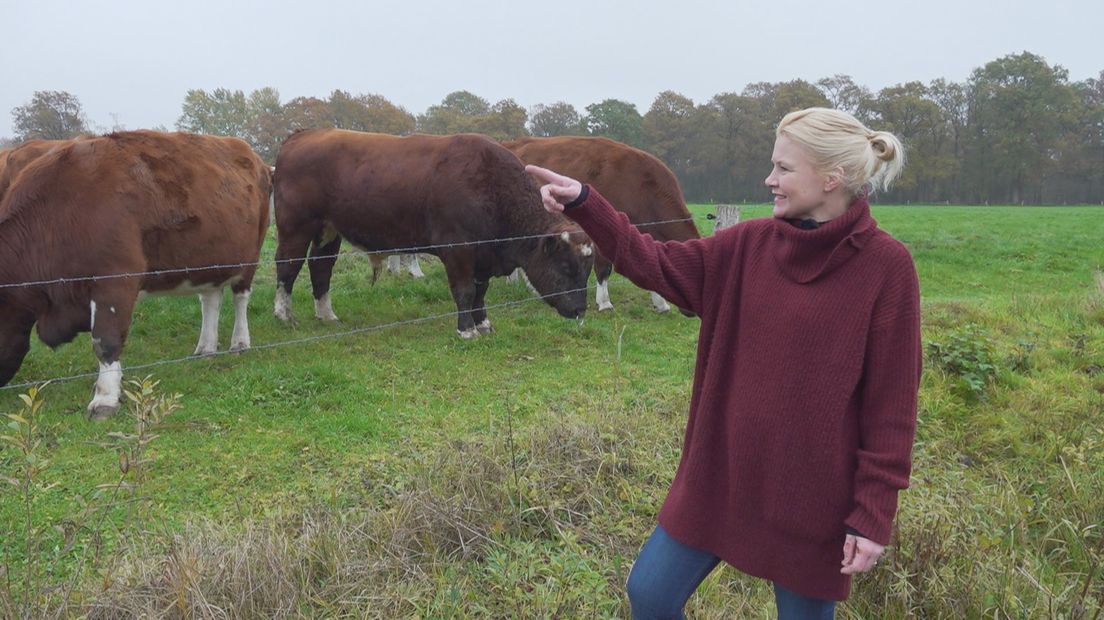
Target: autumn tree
[[459, 112], [223, 112], [1020, 106], [617, 120], [557, 119], [50, 115]]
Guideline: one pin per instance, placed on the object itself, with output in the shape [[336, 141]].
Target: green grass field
[[406, 473]]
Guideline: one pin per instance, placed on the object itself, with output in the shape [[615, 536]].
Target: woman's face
[[800, 191]]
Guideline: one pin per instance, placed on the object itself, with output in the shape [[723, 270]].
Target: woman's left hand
[[860, 554]]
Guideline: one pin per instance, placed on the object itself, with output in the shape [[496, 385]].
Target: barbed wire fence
[[306, 339]]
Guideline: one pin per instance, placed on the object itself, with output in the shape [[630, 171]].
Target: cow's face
[[559, 267]]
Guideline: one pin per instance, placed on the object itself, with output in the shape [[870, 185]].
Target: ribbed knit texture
[[803, 409]]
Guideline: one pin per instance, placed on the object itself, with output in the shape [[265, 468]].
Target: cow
[[633, 181], [181, 212], [422, 193]]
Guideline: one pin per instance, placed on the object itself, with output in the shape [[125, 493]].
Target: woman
[[803, 410]]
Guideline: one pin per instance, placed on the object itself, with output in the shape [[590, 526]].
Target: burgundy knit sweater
[[804, 401]]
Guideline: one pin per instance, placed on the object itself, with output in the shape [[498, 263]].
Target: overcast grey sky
[[132, 62]]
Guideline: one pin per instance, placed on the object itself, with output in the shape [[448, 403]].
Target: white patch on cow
[[515, 275], [239, 339], [92, 304], [601, 296], [209, 304], [468, 334], [484, 327], [112, 309], [323, 309], [528, 284], [565, 236], [108, 387], [587, 250], [660, 303], [394, 263], [282, 308]]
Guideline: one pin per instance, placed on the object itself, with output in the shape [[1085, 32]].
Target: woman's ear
[[833, 180]]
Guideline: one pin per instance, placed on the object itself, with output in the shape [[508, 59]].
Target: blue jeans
[[667, 572]]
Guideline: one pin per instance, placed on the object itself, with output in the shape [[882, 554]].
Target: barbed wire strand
[[403, 250], [284, 343]]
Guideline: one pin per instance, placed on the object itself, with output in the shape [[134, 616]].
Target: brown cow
[[128, 202], [633, 181], [385, 192]]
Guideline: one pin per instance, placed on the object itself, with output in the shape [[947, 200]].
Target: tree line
[[1017, 131]]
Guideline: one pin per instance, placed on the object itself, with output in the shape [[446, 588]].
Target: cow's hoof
[[602, 307], [485, 327], [99, 413], [239, 347], [663, 309], [205, 351], [330, 318], [283, 315], [468, 334]]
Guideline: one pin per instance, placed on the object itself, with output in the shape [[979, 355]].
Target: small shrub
[[966, 353]]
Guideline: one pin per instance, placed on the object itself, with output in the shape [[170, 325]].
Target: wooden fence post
[[727, 215]]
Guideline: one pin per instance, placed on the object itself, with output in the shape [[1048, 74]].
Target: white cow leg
[[601, 296], [105, 398], [323, 309], [394, 263], [282, 306], [660, 303], [209, 304], [239, 340], [414, 266]]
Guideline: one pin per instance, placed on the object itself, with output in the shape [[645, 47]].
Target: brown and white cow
[[633, 181], [125, 203], [385, 192]]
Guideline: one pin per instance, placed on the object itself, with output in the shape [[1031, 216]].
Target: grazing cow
[[386, 192], [633, 181], [127, 203]]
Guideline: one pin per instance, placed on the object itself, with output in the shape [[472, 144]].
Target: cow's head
[[558, 268]]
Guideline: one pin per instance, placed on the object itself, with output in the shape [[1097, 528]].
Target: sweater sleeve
[[887, 419], [674, 269]]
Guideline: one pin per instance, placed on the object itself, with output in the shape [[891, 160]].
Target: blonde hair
[[870, 160]]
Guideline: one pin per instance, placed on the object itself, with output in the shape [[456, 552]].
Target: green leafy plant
[[966, 353]]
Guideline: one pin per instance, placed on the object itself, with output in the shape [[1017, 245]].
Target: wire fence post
[[727, 215]]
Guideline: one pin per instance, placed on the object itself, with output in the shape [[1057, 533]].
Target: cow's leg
[[659, 303], [460, 269], [290, 253], [239, 340], [602, 269], [479, 307], [394, 263], [209, 304], [111, 312], [323, 257], [413, 267]]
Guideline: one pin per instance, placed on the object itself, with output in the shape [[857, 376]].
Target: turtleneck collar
[[804, 255]]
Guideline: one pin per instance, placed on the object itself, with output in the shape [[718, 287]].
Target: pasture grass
[[404, 472]]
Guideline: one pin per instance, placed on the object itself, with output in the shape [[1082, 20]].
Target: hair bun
[[884, 146]]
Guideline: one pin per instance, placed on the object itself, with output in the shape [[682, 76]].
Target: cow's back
[[140, 200], [633, 181]]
